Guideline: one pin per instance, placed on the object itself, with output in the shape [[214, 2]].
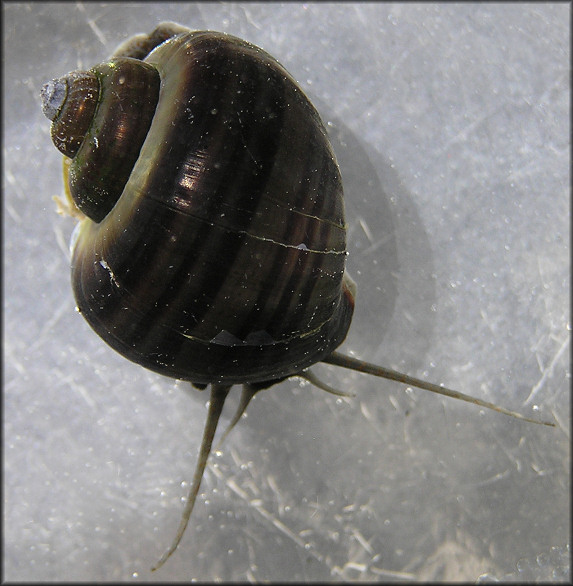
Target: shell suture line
[[300, 246]]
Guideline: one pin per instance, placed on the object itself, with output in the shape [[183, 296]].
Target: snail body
[[212, 244]]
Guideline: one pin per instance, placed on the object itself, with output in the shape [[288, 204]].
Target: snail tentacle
[[313, 379], [218, 395], [339, 359], [248, 392]]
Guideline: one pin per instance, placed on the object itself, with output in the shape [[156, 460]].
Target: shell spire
[[100, 119], [70, 103]]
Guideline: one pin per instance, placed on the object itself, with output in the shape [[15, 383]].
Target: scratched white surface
[[451, 127]]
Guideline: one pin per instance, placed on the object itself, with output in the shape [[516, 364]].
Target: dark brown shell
[[223, 259]]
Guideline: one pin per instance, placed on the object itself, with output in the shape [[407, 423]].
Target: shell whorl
[[102, 166]]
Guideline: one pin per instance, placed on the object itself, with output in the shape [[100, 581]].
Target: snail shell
[[214, 244]]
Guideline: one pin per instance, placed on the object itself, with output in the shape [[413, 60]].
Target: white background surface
[[451, 126]]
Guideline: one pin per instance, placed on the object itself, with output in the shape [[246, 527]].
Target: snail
[[211, 245]]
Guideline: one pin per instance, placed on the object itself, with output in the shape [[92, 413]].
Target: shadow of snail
[[211, 243]]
